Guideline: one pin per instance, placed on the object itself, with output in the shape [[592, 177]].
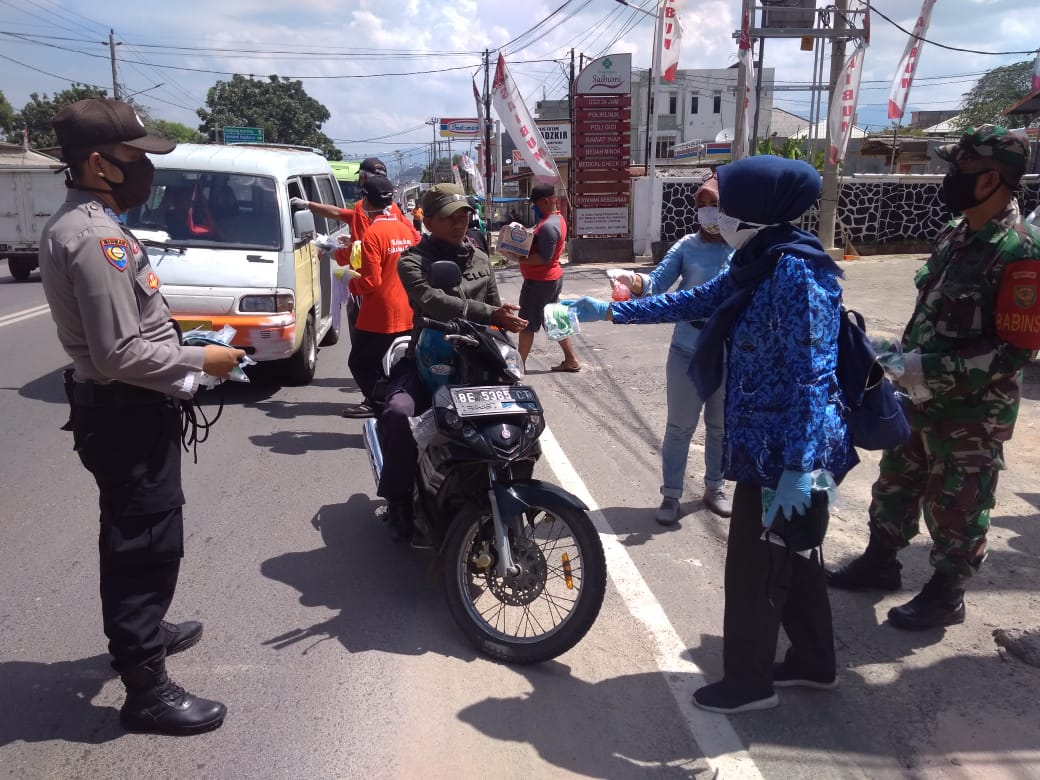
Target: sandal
[[358, 411]]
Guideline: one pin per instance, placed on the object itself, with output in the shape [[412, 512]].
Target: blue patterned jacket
[[783, 403]]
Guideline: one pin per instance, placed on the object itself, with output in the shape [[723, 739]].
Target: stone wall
[[873, 209]]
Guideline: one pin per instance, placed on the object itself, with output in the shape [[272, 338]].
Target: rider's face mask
[[737, 232]]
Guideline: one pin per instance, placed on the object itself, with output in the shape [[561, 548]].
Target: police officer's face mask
[[136, 185]]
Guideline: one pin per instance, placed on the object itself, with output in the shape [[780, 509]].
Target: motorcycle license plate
[[480, 401]]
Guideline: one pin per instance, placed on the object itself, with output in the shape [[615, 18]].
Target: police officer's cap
[[94, 122]]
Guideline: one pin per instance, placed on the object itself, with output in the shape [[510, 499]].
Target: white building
[[699, 106]]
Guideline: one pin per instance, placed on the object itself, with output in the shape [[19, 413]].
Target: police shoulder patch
[[116, 251]]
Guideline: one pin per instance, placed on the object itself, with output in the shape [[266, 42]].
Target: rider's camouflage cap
[[1010, 147]]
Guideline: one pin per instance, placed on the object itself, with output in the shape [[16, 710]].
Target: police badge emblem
[[116, 251]]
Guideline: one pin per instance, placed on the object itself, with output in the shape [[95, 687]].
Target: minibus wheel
[[300, 367]]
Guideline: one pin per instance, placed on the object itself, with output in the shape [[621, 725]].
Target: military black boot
[[876, 568], [155, 704], [940, 603]]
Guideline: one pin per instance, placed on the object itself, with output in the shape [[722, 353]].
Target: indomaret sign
[[602, 130]]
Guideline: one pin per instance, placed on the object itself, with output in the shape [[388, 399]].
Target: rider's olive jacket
[[474, 299]]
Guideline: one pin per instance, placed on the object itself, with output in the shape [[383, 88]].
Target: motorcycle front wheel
[[548, 607]]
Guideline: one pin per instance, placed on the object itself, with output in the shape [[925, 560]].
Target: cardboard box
[[515, 238]]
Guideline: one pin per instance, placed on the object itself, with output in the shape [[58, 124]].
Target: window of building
[[716, 103], [673, 104], [694, 104], [665, 148]]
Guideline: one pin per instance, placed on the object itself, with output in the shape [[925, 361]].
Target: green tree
[[6, 117], [287, 114], [175, 131], [998, 89], [38, 112]]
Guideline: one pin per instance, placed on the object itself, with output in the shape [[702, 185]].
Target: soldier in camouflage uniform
[[964, 379]]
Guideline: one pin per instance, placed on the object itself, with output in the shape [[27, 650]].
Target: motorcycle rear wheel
[[547, 609]]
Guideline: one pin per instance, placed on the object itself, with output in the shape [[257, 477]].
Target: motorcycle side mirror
[[445, 274]]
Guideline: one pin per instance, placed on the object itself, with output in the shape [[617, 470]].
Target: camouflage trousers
[[951, 477]]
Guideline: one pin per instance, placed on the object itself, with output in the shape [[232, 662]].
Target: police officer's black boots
[[155, 704], [876, 568], [940, 603]]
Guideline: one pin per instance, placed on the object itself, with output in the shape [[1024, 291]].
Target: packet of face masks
[[197, 337], [561, 321]]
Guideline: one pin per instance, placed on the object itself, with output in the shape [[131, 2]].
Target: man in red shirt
[[543, 274], [385, 312]]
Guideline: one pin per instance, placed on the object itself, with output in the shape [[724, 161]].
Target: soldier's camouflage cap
[[1010, 147]]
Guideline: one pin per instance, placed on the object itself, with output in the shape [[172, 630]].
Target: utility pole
[[829, 195], [488, 191], [740, 128], [112, 55]]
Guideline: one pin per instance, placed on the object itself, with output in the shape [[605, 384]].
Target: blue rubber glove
[[588, 309], [793, 495]]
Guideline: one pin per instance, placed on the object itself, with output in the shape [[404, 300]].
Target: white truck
[[31, 190]]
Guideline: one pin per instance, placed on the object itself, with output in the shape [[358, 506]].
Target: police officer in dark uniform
[[130, 373]]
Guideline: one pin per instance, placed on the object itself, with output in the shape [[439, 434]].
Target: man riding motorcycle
[[446, 214]]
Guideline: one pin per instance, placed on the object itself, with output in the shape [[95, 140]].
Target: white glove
[[621, 276], [299, 203]]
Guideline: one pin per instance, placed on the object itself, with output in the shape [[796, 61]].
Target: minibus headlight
[[267, 304]]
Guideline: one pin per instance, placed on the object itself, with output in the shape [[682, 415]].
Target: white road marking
[[722, 748], [25, 314]]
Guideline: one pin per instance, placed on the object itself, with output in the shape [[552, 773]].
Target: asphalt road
[[337, 657]]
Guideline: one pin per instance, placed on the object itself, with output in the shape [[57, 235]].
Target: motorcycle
[[522, 565]]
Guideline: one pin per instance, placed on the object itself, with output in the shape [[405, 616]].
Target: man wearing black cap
[[972, 331], [385, 313], [130, 372], [446, 214], [543, 274]]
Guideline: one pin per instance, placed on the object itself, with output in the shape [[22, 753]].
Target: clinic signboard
[[602, 129]]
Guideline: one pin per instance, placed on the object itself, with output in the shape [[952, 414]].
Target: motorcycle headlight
[[514, 365]]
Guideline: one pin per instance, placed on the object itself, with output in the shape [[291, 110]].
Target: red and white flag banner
[[842, 111], [746, 60], [904, 77], [671, 39], [518, 122]]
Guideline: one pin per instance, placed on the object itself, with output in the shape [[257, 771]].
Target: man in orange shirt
[[385, 312], [355, 216]]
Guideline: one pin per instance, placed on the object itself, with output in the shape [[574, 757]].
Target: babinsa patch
[[116, 251]]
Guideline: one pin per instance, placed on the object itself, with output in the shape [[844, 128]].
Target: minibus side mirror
[[303, 225]]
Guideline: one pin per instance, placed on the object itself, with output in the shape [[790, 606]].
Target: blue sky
[[346, 47]]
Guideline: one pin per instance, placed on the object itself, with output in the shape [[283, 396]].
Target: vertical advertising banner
[[904, 77], [671, 39], [520, 125], [843, 105]]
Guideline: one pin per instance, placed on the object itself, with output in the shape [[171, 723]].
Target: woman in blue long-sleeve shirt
[[692, 261], [777, 308]]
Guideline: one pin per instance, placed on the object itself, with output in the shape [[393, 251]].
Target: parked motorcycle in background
[[522, 565]]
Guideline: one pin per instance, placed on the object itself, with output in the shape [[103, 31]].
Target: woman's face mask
[[708, 217], [737, 232]]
